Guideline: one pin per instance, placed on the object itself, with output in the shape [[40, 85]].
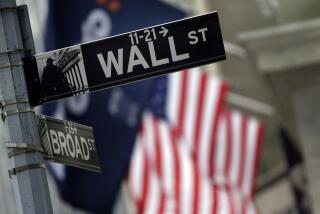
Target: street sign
[[68, 143], [124, 58]]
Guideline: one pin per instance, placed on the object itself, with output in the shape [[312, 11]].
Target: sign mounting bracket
[[19, 169]]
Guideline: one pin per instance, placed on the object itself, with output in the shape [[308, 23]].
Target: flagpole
[[20, 134]]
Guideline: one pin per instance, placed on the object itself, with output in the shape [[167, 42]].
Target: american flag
[[194, 102], [192, 155], [237, 150]]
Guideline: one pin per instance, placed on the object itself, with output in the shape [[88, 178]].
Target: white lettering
[[91, 144], [192, 35], [111, 60], [154, 60], [174, 55], [139, 61], [78, 149], [70, 146], [54, 142], [62, 140], [203, 32], [85, 148]]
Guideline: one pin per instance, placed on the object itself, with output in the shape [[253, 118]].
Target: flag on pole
[[237, 149], [164, 178], [225, 144], [221, 149], [192, 104]]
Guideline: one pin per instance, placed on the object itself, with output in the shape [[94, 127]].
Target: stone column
[[289, 56]]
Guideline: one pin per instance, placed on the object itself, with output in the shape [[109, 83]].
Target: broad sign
[[124, 58], [69, 143]]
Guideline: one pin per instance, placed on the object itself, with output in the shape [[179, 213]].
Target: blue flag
[[115, 113]]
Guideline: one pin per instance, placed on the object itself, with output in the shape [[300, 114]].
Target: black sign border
[[33, 81], [44, 119]]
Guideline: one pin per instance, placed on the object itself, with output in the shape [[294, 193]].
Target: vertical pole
[[295, 173], [30, 186], [307, 104]]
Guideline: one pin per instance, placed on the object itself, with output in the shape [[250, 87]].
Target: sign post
[[124, 58], [19, 133]]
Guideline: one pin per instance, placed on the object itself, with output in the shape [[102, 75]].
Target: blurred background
[[273, 55]]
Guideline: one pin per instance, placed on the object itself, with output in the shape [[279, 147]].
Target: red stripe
[[183, 98], [228, 146], [260, 137], [177, 169], [162, 202], [243, 150], [158, 150], [196, 140], [145, 186], [212, 151], [215, 119], [196, 187], [215, 199], [230, 201], [221, 98]]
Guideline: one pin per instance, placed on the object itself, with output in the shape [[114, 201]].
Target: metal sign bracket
[[33, 80], [5, 114], [4, 103], [19, 169], [21, 148], [11, 8]]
